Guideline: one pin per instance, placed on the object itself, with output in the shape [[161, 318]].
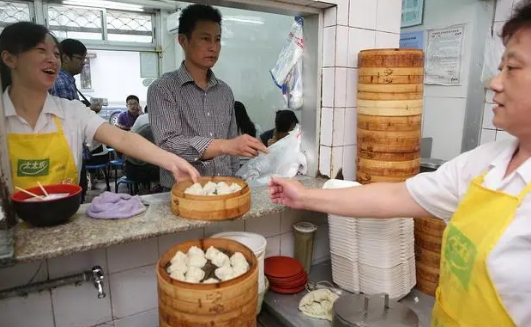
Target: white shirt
[[79, 123], [509, 263], [139, 122]]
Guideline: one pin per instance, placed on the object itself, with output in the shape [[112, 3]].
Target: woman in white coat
[[483, 195], [45, 133]]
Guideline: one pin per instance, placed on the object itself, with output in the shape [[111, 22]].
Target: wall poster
[[412, 12], [444, 52]]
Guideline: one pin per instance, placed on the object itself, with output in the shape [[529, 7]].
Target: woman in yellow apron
[[46, 133], [483, 195]]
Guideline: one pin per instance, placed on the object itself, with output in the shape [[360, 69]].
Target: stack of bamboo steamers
[[390, 103]]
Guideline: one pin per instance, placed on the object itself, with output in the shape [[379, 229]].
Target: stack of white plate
[[372, 255]]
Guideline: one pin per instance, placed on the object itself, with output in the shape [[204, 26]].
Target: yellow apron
[[44, 158], [466, 296]]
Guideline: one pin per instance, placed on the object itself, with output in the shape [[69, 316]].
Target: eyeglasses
[[80, 58]]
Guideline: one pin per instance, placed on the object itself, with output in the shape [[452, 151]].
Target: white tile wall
[[327, 126], [338, 135], [144, 319], [224, 226], [287, 245], [358, 39], [28, 311], [342, 46], [22, 274], [337, 160], [133, 291], [363, 14], [487, 135], [273, 246], [132, 255], [329, 42], [502, 135], [167, 241], [352, 87], [387, 40], [351, 122], [267, 225], [328, 87], [386, 15], [340, 95], [503, 10], [342, 13], [75, 263], [325, 157], [349, 162], [79, 305], [488, 115], [330, 17]]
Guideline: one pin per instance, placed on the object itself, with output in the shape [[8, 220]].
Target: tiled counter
[[127, 250]]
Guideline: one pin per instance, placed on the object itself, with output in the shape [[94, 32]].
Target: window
[[89, 24], [12, 12], [77, 23]]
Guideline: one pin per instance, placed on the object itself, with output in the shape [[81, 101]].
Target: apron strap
[[58, 124], [525, 191]]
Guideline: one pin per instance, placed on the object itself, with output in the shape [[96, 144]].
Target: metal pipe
[[95, 275]]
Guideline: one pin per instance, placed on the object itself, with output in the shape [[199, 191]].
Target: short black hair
[[18, 38], [521, 18], [71, 47], [145, 109], [285, 120], [132, 97], [193, 14]]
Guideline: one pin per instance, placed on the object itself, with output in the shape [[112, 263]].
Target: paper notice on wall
[[444, 53]]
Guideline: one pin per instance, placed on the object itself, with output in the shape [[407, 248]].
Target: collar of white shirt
[[50, 106], [501, 162]]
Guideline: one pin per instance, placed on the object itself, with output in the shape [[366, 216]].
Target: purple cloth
[[126, 119], [115, 205]]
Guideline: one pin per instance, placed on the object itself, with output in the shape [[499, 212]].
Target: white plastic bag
[[287, 73], [292, 89], [494, 49], [285, 159]]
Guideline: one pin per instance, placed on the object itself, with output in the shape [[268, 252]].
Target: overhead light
[[245, 20], [104, 4]]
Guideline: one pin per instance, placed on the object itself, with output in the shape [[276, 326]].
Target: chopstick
[[43, 189], [29, 193]]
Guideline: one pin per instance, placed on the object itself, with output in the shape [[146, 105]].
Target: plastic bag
[[292, 89], [287, 73], [285, 159], [494, 49]]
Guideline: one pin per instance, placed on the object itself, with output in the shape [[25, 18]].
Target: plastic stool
[[130, 185], [105, 168], [115, 164]]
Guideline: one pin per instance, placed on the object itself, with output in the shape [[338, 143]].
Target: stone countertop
[[82, 233], [285, 308]]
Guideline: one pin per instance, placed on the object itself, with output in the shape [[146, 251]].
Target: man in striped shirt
[[191, 111]]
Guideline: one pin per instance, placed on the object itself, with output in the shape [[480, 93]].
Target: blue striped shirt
[[65, 86]]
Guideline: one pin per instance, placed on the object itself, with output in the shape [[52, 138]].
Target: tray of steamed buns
[[211, 198]]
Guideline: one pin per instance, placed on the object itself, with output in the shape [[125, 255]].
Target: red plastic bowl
[[49, 212]]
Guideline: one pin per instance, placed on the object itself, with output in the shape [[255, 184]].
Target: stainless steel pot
[[360, 310]]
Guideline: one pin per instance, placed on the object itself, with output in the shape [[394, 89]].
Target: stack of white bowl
[[372, 255]]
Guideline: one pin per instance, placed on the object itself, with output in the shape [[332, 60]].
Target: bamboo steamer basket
[[389, 105], [211, 207], [428, 242], [226, 304]]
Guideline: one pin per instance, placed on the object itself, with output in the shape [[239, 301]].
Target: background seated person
[[244, 122], [127, 119], [285, 122]]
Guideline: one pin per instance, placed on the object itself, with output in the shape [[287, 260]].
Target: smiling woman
[[46, 133]]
